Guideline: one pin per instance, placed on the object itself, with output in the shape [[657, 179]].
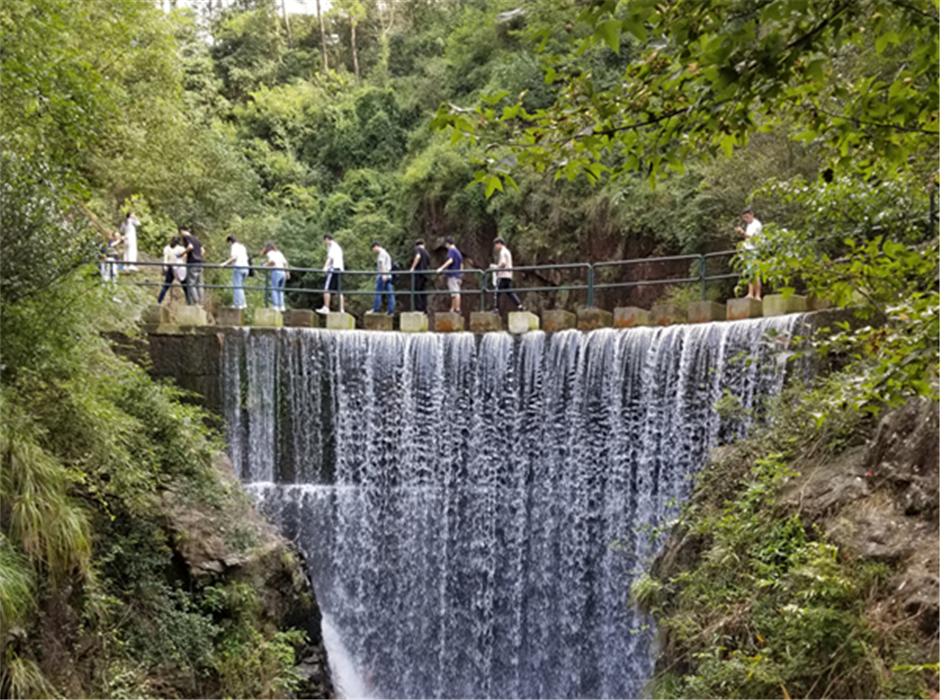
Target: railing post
[[701, 272], [482, 291], [411, 276], [590, 294], [267, 287]]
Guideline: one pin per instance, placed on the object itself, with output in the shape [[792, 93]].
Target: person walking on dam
[[750, 233], [504, 276], [383, 283], [194, 252], [239, 259], [453, 265], [333, 269], [420, 265], [279, 275], [173, 254]]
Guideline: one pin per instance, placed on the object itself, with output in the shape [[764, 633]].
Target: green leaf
[[727, 144], [609, 32], [635, 26], [493, 183]]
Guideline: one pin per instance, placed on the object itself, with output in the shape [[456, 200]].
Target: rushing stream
[[474, 508]]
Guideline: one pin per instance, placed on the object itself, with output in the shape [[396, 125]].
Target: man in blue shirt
[[453, 265]]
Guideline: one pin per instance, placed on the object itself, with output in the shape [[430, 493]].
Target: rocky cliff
[[810, 572]]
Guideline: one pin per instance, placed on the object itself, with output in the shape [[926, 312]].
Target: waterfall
[[473, 508]]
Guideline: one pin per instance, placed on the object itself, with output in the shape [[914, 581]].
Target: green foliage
[[43, 238], [17, 585], [710, 74], [768, 606], [885, 265]]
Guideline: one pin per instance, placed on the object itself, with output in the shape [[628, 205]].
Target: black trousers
[[421, 300], [168, 279], [504, 286]]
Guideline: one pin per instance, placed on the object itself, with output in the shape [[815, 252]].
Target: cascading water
[[474, 508]]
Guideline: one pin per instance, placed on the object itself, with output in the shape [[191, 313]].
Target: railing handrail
[[590, 285]]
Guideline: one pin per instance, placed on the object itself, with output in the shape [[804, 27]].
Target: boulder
[[522, 322], [413, 322], [485, 322], [448, 322], [340, 321], [667, 315], [558, 320], [740, 309], [592, 317], [630, 316], [378, 322], [267, 318], [707, 311]]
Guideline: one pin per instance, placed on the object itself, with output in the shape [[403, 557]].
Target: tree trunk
[[326, 63], [355, 54], [290, 41]]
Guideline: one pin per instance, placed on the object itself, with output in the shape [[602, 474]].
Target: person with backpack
[[383, 283], [420, 265], [453, 265], [241, 262]]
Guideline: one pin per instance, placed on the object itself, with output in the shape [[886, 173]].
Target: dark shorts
[[332, 281]]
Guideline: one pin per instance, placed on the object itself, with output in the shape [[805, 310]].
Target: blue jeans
[[239, 274], [383, 286], [278, 280]]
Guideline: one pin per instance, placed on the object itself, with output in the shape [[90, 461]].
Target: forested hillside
[[580, 131]]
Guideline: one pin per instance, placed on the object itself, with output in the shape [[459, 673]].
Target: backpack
[[396, 278], [251, 271]]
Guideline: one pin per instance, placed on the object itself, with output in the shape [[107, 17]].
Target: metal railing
[[702, 277], [486, 278]]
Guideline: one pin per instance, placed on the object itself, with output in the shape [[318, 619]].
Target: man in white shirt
[[279, 275], [383, 284], [504, 276], [239, 273], [753, 229], [333, 269]]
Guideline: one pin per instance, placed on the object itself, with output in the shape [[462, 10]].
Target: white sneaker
[[323, 310]]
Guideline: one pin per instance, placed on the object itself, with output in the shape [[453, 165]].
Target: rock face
[[882, 502], [879, 501], [236, 544]]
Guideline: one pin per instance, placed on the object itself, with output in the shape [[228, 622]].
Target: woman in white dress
[[129, 232]]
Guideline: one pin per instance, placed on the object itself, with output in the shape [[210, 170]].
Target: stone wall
[[192, 358]]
